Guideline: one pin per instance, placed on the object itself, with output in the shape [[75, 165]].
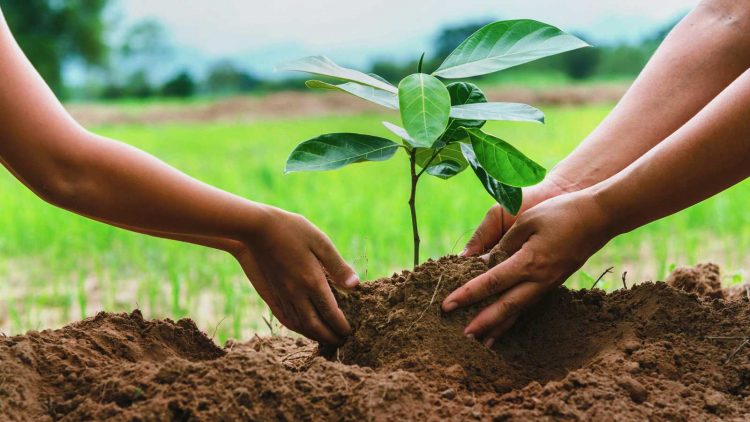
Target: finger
[[342, 274], [497, 280], [501, 314], [488, 233], [312, 326], [498, 331], [260, 284], [328, 309], [515, 238]]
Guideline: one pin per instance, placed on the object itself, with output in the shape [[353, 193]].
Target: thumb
[[488, 233], [342, 274]]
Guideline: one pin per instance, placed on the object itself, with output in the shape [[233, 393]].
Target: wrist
[[256, 221], [609, 220]]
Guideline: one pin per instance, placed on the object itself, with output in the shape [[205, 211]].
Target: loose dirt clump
[[704, 279], [650, 352]]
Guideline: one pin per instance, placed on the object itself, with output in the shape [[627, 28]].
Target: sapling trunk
[[413, 204]]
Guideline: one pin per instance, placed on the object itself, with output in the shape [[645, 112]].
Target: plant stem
[[412, 203]]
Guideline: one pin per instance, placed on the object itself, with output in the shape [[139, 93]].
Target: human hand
[[547, 244], [286, 260], [497, 221]]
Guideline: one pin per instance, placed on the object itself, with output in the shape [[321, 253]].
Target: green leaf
[[505, 44], [448, 162], [498, 111], [335, 150], [425, 104], [461, 93], [508, 196], [401, 133], [321, 65], [377, 96], [503, 162]]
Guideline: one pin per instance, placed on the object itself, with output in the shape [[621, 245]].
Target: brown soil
[[310, 104], [649, 352]]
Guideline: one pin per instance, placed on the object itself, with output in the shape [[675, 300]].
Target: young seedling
[[442, 123]]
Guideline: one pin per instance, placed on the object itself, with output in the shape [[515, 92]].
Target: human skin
[[699, 59], [674, 139], [284, 256]]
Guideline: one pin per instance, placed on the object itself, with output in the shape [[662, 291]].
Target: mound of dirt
[[650, 352]]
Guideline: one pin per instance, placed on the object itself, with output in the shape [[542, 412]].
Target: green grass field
[[57, 267]]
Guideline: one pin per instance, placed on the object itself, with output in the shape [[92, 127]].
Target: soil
[[661, 351]]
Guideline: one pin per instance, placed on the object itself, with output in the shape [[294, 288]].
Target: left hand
[[547, 244]]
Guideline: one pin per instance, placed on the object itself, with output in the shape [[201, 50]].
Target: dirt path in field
[[654, 351], [309, 104]]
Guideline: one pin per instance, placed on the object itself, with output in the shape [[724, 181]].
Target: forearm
[[707, 155], [121, 185], [701, 57], [100, 178]]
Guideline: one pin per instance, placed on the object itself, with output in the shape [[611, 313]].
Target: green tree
[[450, 37], [54, 33], [225, 77], [582, 63], [182, 85]]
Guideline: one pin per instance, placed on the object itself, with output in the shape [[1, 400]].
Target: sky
[[260, 34]]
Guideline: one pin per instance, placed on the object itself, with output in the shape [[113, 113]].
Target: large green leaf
[[505, 44], [498, 111], [448, 162], [503, 162], [335, 150], [425, 104], [508, 196], [321, 65], [377, 96], [461, 93]]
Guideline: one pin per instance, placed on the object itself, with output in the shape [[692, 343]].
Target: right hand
[[498, 221], [286, 260]]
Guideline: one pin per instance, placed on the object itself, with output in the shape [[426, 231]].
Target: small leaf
[[425, 104], [321, 65], [503, 162], [461, 93], [335, 150], [448, 162], [445, 170], [377, 96], [505, 44], [508, 196], [401, 133], [498, 111]]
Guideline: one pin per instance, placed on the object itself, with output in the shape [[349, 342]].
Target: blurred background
[[193, 83]]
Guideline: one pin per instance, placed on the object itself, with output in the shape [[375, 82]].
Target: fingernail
[[470, 336], [352, 281], [450, 306], [489, 342], [464, 252]]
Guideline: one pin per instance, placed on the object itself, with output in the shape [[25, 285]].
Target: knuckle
[[494, 283], [508, 308], [308, 324], [323, 306], [310, 282], [494, 211]]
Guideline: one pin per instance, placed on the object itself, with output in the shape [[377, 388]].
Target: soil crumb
[[703, 279], [660, 351]]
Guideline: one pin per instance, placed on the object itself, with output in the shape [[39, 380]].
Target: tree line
[[58, 34]]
